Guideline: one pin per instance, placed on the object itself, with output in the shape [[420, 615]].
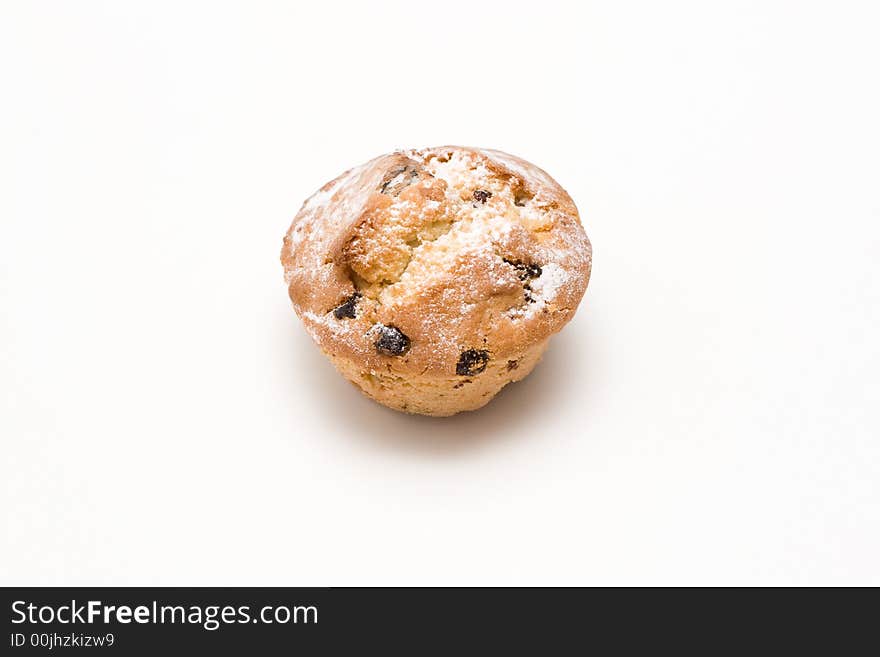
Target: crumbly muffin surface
[[436, 262]]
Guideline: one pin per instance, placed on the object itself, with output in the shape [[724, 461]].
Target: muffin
[[433, 278]]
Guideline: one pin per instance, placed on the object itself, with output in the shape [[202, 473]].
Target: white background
[[710, 416]]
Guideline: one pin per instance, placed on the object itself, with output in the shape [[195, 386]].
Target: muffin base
[[439, 397]]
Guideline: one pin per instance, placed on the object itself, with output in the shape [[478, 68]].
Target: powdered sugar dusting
[[542, 290], [325, 211], [551, 279]]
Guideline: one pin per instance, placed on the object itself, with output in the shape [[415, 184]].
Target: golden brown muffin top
[[433, 261]]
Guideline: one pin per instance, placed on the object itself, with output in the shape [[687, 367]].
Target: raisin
[[512, 365], [397, 180], [482, 195], [472, 361], [392, 341], [347, 309], [521, 197], [525, 271]]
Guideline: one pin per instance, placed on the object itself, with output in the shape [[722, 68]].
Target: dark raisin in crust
[[521, 197], [392, 341], [472, 361], [398, 179], [525, 270], [482, 195], [347, 309]]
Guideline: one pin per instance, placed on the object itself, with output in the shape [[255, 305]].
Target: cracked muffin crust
[[434, 277]]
